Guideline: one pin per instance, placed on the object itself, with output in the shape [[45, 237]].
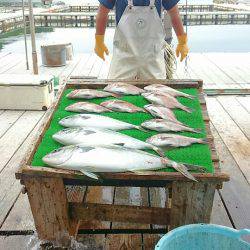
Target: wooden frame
[[54, 213]]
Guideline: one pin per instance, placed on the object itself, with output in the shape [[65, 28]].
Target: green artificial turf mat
[[196, 154]]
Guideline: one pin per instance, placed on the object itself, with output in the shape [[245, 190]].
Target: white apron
[[139, 44]]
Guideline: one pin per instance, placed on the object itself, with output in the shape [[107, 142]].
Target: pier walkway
[[230, 123]]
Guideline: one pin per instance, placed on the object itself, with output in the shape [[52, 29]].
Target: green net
[[195, 154]]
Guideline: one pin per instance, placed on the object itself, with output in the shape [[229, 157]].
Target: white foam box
[[26, 92]]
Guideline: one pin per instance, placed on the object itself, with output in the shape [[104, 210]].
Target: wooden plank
[[123, 241], [20, 216], [245, 102], [91, 241], [219, 214], [14, 137], [16, 242], [10, 61], [150, 241], [102, 195], [191, 203], [3, 54], [158, 197], [233, 137], [7, 119], [103, 74], [78, 70], [120, 213], [95, 71], [48, 202], [235, 193], [240, 116], [9, 186], [131, 196]]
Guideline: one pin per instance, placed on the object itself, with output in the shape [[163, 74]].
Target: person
[[139, 40]]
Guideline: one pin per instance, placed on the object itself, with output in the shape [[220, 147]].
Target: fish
[[165, 100], [174, 140], [162, 125], [121, 106], [96, 121], [100, 159], [98, 137], [88, 94], [161, 112], [121, 88], [168, 90], [85, 107]]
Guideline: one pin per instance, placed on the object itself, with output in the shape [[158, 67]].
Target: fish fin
[[183, 170], [159, 151], [141, 128], [89, 174], [195, 168]]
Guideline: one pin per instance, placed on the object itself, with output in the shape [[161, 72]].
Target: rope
[[170, 61]]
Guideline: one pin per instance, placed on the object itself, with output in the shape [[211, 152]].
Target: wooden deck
[[230, 121]]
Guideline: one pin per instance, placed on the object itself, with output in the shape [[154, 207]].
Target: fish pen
[[67, 202]]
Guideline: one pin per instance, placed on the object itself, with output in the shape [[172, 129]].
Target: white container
[[26, 92]]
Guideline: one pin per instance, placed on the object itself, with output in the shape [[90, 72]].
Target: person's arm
[[182, 48], [101, 23]]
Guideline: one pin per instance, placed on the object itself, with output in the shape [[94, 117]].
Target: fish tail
[[141, 128], [183, 170], [159, 151], [204, 141], [198, 130], [195, 168]]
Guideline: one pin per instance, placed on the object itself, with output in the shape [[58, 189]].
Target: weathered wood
[[123, 241], [109, 177], [231, 134], [191, 203], [219, 214], [49, 207], [20, 217], [150, 241], [16, 242], [235, 193], [240, 116], [120, 213], [245, 102]]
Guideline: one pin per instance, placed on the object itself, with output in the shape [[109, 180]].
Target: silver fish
[[121, 106], [168, 90], [173, 140], [162, 125], [161, 112], [85, 107], [99, 137], [100, 159], [88, 94], [165, 100], [96, 121], [121, 88]]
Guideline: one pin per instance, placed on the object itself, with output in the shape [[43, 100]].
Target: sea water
[[206, 38]]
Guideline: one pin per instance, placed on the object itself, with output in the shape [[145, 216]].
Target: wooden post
[[191, 203], [49, 206]]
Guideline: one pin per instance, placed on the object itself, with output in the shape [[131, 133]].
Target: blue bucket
[[205, 237]]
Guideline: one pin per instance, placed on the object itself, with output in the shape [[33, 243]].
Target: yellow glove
[[100, 47], [182, 47]]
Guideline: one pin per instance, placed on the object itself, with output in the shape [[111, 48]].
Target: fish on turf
[[165, 100], [98, 137], [161, 112], [121, 106], [85, 107], [162, 125], [88, 94], [96, 121], [173, 140], [101, 159], [121, 88], [168, 90]]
